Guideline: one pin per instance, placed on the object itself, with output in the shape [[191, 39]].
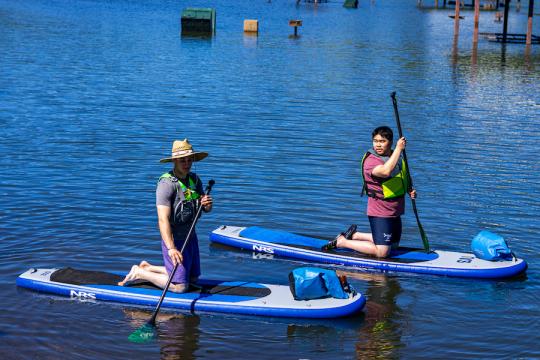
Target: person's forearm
[[166, 233], [386, 169]]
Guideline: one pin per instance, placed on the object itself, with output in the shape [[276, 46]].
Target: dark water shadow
[[177, 334], [378, 326], [380, 334], [193, 35]]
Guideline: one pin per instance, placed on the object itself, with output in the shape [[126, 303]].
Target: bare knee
[[178, 288], [383, 251]]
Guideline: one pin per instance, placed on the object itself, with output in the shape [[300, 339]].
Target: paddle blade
[[145, 333], [424, 238]]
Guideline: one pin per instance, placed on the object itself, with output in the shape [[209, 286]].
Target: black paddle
[[146, 332], [422, 232]]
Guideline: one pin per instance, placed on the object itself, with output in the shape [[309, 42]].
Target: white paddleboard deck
[[285, 244]]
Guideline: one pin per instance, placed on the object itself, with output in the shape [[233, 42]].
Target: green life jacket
[[186, 199], [397, 185]]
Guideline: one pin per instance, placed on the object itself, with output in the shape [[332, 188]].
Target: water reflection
[[250, 39], [327, 336], [177, 334], [196, 35], [508, 57], [528, 62], [503, 55], [377, 328], [474, 63], [455, 51], [380, 336], [474, 55]]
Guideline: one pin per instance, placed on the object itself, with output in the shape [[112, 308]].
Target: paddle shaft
[[409, 178], [152, 320], [396, 113]]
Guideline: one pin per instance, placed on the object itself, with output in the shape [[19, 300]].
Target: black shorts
[[385, 231]]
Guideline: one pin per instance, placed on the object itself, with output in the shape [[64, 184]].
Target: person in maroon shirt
[[384, 210]]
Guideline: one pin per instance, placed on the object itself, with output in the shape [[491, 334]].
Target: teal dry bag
[[490, 246], [308, 283]]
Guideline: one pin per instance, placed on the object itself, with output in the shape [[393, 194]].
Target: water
[[92, 94]]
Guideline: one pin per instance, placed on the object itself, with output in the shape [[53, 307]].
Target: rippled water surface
[[92, 93]]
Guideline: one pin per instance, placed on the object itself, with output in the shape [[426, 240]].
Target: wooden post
[[529, 23], [476, 20], [456, 20], [505, 19], [251, 26], [296, 24]]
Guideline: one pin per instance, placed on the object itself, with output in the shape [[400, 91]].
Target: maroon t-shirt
[[379, 207]]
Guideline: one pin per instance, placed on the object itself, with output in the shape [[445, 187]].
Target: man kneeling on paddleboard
[[179, 195], [385, 176]]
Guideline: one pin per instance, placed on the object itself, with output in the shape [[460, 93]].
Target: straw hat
[[182, 149]]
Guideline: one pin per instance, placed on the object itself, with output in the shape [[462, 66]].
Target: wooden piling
[[476, 20], [530, 23], [456, 21], [505, 19]]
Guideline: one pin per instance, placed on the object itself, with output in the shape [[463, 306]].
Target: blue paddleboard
[[282, 243], [236, 297]]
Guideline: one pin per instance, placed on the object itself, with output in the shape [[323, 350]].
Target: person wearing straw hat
[[179, 193]]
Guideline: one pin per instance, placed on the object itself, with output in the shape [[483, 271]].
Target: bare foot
[[132, 276], [144, 264], [339, 240]]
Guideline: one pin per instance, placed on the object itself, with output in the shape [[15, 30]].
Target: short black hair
[[384, 131]]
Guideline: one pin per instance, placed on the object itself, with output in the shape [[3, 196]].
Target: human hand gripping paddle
[[146, 332], [413, 201]]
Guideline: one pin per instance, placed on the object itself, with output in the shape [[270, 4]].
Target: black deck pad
[[85, 277], [88, 277], [233, 290]]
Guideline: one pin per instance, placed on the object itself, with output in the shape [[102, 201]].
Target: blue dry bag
[[313, 283], [489, 246]]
